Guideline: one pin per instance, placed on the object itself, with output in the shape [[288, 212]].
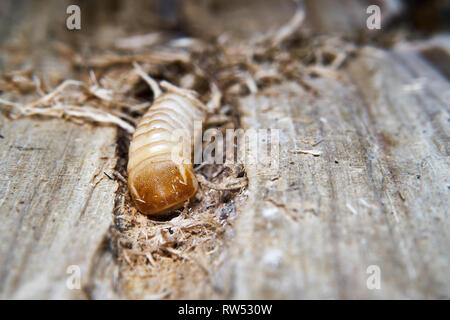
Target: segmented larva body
[[157, 182]]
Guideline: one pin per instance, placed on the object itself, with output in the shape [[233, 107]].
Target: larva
[[158, 183]]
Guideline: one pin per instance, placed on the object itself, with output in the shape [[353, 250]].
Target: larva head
[[159, 187]]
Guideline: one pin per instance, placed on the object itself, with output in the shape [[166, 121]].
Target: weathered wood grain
[[377, 194], [55, 201], [55, 204]]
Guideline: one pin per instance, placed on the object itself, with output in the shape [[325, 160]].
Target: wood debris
[[117, 88]]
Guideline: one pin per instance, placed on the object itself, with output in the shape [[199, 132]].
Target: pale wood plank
[[377, 195], [55, 202]]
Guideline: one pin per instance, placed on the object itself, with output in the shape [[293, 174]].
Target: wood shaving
[[315, 153]]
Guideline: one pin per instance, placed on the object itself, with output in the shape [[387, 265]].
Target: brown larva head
[[159, 187]]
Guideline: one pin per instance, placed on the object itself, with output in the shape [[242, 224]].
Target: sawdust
[[177, 256]]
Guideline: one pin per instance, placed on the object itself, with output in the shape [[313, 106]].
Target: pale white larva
[[157, 182]]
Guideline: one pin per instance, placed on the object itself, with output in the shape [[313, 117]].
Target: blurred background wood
[[55, 200]]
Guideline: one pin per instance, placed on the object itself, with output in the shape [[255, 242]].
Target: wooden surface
[[55, 203], [377, 195], [55, 200]]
